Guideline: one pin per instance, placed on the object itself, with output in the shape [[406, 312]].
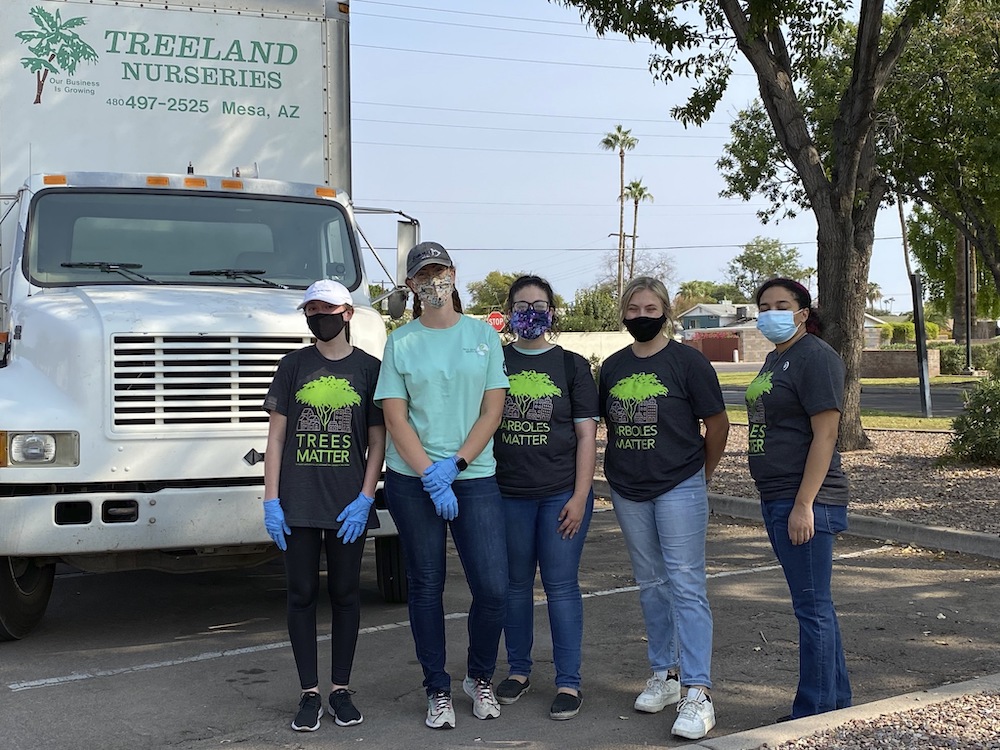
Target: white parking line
[[211, 655]]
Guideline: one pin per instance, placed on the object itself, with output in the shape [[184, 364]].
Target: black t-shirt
[[652, 407], [329, 408], [792, 386], [535, 446]]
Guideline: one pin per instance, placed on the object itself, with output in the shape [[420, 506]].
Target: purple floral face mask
[[530, 324]]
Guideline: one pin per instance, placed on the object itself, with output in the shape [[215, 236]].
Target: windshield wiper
[[125, 269], [247, 274]]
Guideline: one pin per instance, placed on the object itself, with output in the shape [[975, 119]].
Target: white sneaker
[[484, 703], [695, 715], [658, 694], [440, 711]]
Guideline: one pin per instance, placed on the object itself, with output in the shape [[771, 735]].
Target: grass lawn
[[870, 420], [744, 378]]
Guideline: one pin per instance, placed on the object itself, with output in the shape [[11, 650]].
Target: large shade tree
[[839, 178]]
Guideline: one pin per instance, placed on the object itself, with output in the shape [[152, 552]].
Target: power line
[[519, 114], [499, 59], [493, 28], [528, 130], [529, 151], [469, 13]]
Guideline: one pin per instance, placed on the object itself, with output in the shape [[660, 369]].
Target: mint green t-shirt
[[443, 374]]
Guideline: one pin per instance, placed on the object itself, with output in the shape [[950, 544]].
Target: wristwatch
[[461, 463]]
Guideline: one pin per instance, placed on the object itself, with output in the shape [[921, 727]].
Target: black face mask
[[326, 326], [645, 329]]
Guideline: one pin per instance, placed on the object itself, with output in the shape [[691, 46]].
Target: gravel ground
[[901, 477], [971, 722]]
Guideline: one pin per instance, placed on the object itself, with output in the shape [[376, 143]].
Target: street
[[150, 660]]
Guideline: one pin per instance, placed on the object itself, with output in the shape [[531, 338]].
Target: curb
[[867, 527], [775, 734]]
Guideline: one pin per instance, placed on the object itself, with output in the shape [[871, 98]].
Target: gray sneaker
[[484, 702], [658, 694], [695, 716], [440, 711]]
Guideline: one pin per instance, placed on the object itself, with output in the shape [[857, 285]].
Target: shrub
[[885, 332], [931, 330], [977, 428], [903, 332], [984, 356]]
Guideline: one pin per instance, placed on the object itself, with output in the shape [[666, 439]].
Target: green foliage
[[595, 366], [763, 259], [977, 428], [529, 386], [952, 358], [903, 332], [759, 386], [593, 309], [931, 330], [491, 293], [885, 332], [984, 356]]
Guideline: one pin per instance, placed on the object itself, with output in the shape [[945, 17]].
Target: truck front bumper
[[171, 519]]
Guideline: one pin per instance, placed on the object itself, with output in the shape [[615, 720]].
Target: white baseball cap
[[327, 290]]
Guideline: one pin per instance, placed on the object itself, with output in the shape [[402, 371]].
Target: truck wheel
[[391, 569], [24, 594]]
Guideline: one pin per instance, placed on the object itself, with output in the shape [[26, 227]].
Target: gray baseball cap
[[425, 254]]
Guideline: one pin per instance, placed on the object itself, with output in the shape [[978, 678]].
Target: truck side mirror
[[396, 303]]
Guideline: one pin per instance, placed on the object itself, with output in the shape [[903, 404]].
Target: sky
[[483, 121]]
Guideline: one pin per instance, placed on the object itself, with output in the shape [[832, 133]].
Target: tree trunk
[[958, 304], [844, 258], [621, 223], [635, 226]]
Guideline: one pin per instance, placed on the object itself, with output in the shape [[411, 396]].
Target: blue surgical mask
[[778, 326]]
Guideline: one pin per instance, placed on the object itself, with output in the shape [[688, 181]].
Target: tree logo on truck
[[55, 46]]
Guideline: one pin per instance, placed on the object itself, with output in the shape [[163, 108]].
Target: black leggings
[[343, 565]]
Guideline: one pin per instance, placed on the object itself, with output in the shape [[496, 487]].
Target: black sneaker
[[344, 712], [565, 706], [310, 709], [510, 690]]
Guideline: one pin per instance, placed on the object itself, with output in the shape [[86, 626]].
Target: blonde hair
[[645, 283]]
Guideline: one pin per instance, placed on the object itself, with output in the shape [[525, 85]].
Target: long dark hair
[[800, 294], [528, 280]]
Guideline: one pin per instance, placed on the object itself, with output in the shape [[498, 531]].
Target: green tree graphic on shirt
[[529, 386], [635, 389], [326, 395], [758, 387]]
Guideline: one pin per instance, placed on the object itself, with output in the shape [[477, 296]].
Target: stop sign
[[495, 319]]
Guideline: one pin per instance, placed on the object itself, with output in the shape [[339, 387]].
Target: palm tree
[[54, 45], [874, 294], [620, 140], [635, 191]]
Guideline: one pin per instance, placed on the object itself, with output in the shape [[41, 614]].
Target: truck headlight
[[32, 448]]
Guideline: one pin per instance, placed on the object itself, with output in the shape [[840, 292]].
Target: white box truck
[[148, 282]]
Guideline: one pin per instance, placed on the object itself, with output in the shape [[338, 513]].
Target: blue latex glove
[[274, 522], [353, 519], [445, 503], [440, 474]]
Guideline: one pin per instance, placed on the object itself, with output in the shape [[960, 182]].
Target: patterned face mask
[[530, 324], [437, 291]]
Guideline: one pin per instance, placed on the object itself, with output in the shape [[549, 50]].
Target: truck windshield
[[76, 234]]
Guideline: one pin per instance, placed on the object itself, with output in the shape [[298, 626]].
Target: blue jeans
[[478, 533], [823, 682], [665, 538], [533, 540]]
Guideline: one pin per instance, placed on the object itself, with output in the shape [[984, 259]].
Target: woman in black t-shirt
[[794, 407], [545, 450], [325, 447], [654, 397]]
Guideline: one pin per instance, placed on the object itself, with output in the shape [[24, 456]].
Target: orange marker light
[[326, 192], [158, 181], [54, 179], [232, 184], [195, 182]]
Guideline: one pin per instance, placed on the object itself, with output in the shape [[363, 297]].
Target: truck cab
[[142, 317]]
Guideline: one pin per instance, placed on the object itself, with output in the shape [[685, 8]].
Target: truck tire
[[391, 569], [24, 594]]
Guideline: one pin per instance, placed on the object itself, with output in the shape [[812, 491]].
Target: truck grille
[[194, 381]]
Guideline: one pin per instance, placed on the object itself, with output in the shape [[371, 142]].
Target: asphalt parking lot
[[149, 660]]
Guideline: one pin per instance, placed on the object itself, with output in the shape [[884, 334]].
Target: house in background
[[716, 315]]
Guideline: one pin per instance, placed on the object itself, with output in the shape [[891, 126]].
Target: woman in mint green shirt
[[441, 388]]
